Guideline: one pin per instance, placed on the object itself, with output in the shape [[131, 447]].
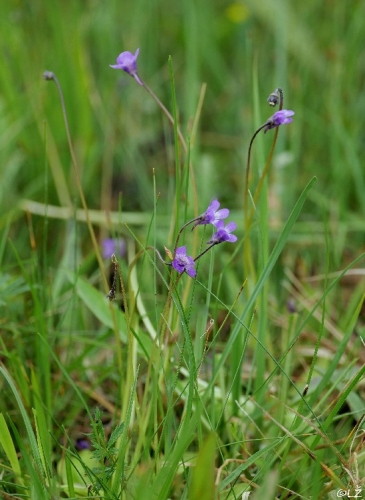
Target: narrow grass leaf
[[99, 305], [202, 484], [32, 439], [261, 282], [10, 451], [253, 459], [42, 431]]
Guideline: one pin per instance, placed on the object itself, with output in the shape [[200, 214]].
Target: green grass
[[247, 379]]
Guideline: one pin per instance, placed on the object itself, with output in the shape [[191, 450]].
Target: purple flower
[[113, 246], [183, 262], [212, 215], [128, 63], [223, 233], [279, 118], [82, 444]]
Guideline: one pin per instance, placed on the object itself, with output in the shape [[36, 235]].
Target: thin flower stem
[[281, 101], [266, 169], [182, 229], [182, 140], [158, 255], [165, 312], [49, 75], [262, 178], [167, 113], [205, 251], [248, 167], [268, 162], [247, 259]]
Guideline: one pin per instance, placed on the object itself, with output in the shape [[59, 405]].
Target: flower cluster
[[215, 217], [127, 61], [182, 262]]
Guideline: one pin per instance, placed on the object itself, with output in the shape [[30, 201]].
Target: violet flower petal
[[212, 215], [113, 246], [282, 117], [127, 62], [183, 262], [224, 233]]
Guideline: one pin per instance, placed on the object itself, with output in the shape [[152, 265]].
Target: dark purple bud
[[275, 97], [48, 75], [82, 444], [291, 306]]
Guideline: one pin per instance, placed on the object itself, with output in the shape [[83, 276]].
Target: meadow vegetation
[[130, 368]]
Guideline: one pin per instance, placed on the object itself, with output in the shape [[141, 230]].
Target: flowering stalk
[[181, 231], [159, 255], [127, 62], [211, 216], [167, 114], [183, 262], [205, 251], [281, 117], [50, 76], [274, 98], [248, 166]]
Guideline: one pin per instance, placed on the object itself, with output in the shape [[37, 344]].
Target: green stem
[[49, 75], [248, 167], [167, 113]]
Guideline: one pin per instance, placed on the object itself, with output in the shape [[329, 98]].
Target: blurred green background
[[242, 50]]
